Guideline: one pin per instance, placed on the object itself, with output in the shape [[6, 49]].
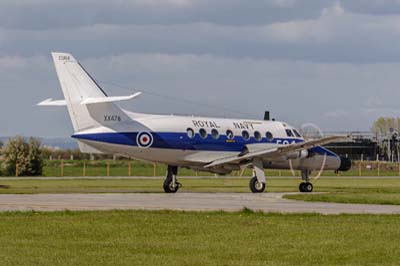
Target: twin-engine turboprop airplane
[[201, 143]]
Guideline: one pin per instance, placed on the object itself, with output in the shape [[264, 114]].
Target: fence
[[61, 168]]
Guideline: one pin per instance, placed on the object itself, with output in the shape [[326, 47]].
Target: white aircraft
[[201, 143]]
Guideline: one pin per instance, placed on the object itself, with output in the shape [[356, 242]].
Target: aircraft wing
[[274, 152]]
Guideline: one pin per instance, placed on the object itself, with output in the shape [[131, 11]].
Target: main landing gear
[[257, 182], [305, 186], [171, 184]]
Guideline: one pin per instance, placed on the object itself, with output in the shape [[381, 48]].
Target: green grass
[[365, 198], [367, 191], [345, 190], [193, 238]]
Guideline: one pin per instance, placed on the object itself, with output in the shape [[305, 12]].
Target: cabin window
[[269, 136], [229, 134], [257, 136], [190, 133], [289, 133], [296, 133], [215, 134], [203, 133], [245, 135]]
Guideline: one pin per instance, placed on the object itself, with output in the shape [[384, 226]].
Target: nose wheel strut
[[306, 185]]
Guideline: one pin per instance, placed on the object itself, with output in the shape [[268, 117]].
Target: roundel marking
[[144, 139]]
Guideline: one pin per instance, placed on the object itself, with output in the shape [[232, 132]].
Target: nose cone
[[345, 164]]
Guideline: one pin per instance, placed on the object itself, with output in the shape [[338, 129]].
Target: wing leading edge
[[275, 152]]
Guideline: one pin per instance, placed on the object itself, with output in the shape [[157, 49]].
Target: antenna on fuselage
[[266, 116]]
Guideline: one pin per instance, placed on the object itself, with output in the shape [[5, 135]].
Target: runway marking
[[266, 202]]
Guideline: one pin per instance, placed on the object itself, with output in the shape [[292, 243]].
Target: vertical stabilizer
[[78, 86]]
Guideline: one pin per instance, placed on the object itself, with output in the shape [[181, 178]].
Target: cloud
[[50, 14], [334, 63], [333, 96], [334, 36]]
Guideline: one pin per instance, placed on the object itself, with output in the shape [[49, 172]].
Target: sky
[[332, 63]]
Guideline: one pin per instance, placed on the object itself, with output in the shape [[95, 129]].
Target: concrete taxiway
[[267, 202]]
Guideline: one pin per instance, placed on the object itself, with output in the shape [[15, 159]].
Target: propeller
[[321, 170]]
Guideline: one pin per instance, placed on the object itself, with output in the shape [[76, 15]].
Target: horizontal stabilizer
[[109, 99], [51, 102]]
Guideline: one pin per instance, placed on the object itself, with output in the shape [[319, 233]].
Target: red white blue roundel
[[144, 139]]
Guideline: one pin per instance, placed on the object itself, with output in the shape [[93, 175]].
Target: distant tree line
[[26, 156], [386, 126], [21, 157]]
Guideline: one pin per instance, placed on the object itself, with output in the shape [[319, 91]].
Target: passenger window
[[289, 133], [203, 133], [245, 135], [229, 134], [296, 133], [215, 134], [190, 133], [269, 136], [257, 136]]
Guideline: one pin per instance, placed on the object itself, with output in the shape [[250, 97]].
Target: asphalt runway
[[267, 202]]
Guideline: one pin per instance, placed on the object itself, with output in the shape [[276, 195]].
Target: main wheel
[[255, 186], [302, 187], [171, 187]]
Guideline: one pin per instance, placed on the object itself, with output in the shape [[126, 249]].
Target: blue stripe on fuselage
[[172, 140]]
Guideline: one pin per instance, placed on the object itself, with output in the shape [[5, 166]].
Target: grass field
[[212, 238], [355, 190], [344, 190]]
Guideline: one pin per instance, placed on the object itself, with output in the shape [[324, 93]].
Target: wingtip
[[44, 102]]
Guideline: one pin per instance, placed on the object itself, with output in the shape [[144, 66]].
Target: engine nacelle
[[297, 155]]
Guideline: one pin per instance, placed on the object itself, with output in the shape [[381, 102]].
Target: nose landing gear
[[305, 186]]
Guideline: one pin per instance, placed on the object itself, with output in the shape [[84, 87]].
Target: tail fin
[[79, 90]]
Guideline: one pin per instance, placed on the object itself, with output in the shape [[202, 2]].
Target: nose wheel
[[306, 187]]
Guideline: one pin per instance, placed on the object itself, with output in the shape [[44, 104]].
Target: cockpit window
[[296, 133], [289, 133]]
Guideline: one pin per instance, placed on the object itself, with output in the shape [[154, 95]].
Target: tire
[[255, 186], [302, 187], [308, 187], [168, 188]]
